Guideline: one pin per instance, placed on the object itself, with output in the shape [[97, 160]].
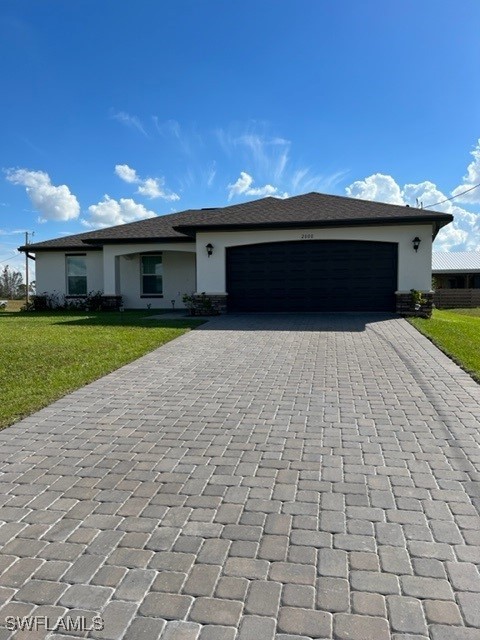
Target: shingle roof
[[311, 208], [307, 208], [456, 261], [160, 227]]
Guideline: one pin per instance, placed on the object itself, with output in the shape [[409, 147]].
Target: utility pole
[[27, 284], [26, 269]]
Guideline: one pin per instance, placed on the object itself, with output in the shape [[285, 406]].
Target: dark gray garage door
[[313, 275]]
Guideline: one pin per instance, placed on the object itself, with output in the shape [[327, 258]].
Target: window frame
[[157, 254], [67, 276]]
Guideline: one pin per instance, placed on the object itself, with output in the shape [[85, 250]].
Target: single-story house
[[456, 270], [312, 252]]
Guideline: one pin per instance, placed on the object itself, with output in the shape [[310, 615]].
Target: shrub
[[55, 301]]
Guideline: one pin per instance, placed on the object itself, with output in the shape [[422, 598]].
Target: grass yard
[[457, 333], [43, 356]]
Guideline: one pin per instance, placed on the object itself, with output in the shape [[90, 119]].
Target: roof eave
[[312, 224], [36, 249], [453, 271], [162, 239], [97, 244]]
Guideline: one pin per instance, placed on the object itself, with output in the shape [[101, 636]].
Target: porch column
[[110, 272]]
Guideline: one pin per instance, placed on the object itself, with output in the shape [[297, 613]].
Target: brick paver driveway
[[288, 476]]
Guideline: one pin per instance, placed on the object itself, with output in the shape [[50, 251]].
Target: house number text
[[307, 236]]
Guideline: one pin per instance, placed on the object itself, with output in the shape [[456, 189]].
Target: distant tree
[[10, 282], [22, 288]]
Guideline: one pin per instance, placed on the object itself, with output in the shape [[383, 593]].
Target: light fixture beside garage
[[209, 249], [416, 243]]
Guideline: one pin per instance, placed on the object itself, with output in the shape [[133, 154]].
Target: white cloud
[[210, 174], [53, 202], [149, 187], [110, 212], [127, 174], [451, 237], [129, 121], [376, 187], [243, 186], [471, 179], [459, 235], [270, 155]]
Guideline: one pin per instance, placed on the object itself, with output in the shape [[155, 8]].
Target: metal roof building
[[456, 262]]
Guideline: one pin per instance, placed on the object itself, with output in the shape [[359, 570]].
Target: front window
[[77, 275], [152, 275]]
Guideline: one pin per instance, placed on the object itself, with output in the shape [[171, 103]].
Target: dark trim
[[153, 295], [306, 224], [30, 257], [72, 255], [82, 248], [454, 272], [97, 244]]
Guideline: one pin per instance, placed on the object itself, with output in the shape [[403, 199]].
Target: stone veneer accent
[[219, 300], [406, 304]]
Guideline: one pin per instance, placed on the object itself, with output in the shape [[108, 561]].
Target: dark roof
[[311, 209], [157, 228]]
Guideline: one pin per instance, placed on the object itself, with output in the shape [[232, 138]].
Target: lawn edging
[[45, 356], [455, 344]]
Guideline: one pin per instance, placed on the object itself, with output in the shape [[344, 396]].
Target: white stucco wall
[[414, 269], [51, 275], [120, 264], [112, 253], [178, 279]]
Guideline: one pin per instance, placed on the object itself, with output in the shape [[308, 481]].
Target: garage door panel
[[317, 275]]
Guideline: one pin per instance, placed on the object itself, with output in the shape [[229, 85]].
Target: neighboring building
[[456, 270], [312, 252]]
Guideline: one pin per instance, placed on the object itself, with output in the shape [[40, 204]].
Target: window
[[76, 275], [152, 275]]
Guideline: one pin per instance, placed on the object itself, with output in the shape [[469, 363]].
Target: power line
[[12, 256], [455, 196]]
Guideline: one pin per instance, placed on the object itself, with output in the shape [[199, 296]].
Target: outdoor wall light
[[209, 249], [416, 243]]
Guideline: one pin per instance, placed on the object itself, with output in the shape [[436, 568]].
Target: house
[[456, 270], [312, 252], [456, 279]]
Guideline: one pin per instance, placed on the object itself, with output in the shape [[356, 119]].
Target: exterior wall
[[457, 280], [414, 268], [116, 271], [51, 275], [178, 279], [112, 253]]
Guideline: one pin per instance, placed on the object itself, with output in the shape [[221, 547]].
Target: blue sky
[[115, 111]]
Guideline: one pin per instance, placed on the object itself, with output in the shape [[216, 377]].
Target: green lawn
[[457, 333], [43, 356]]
